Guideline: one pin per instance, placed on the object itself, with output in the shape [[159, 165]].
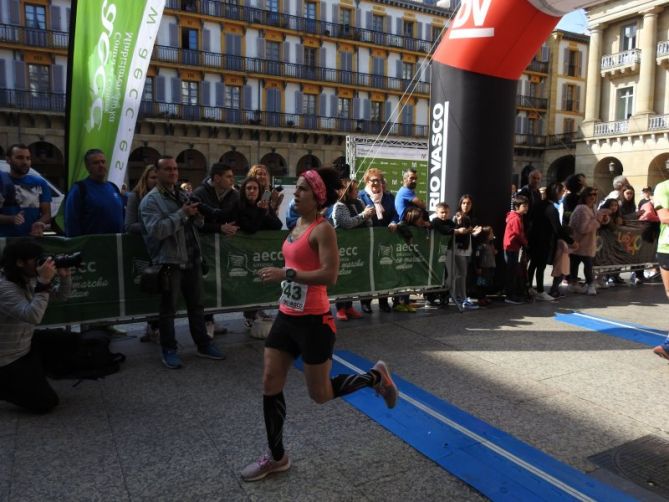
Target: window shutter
[[323, 105], [58, 81], [322, 57], [219, 90], [577, 62], [565, 66], [205, 93], [428, 32], [246, 98], [519, 125], [333, 105], [387, 24], [398, 26], [420, 35], [176, 90], [387, 110], [519, 87], [286, 7], [299, 54], [335, 13], [565, 95], [261, 48], [298, 102], [369, 20], [173, 35], [398, 68], [55, 18], [321, 15], [3, 75], [160, 89], [577, 98], [356, 108], [19, 75], [286, 52], [299, 8], [367, 109], [14, 12], [206, 40]]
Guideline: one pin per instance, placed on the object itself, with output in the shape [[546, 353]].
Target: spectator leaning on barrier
[[385, 214], [647, 196], [26, 287], [574, 185], [261, 173], [29, 212], [8, 203], [218, 191], [94, 205], [661, 202], [349, 212], [169, 228], [133, 225]]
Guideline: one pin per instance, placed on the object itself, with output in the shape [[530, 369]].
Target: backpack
[[88, 359]]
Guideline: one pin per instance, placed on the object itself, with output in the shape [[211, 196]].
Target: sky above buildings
[[574, 21]]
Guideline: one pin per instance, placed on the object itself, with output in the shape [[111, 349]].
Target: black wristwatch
[[290, 274]]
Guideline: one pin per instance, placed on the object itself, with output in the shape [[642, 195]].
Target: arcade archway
[[236, 160], [47, 159], [192, 166], [275, 163]]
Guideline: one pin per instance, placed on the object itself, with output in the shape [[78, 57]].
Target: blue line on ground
[[488, 459], [620, 329]]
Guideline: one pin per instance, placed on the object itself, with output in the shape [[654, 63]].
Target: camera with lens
[[64, 260], [205, 209]]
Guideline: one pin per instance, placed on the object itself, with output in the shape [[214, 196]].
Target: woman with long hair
[[305, 326], [133, 225], [261, 173], [464, 219]]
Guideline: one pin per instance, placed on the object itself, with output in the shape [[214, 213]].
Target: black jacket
[[206, 194]]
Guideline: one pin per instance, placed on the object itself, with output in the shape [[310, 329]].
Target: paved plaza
[[148, 433]]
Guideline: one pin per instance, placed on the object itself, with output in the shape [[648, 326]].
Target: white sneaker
[[591, 290], [211, 327], [544, 297]]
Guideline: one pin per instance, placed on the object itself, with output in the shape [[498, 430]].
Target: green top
[[661, 201]]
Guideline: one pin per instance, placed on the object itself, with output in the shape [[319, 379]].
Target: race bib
[[293, 295]]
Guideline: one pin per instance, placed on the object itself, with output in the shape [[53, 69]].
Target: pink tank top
[[303, 299]]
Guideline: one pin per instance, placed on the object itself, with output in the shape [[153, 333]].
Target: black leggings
[[537, 266]]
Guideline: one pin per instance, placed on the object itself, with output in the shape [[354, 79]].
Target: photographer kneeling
[[25, 290]]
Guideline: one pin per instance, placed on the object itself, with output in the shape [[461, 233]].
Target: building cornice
[[602, 14], [418, 7]]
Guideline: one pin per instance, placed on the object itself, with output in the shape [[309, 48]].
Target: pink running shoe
[[659, 351], [265, 465], [386, 388]]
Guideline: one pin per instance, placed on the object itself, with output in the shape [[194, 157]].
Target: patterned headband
[[317, 186]]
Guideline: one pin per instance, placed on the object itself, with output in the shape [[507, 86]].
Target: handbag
[[153, 279]]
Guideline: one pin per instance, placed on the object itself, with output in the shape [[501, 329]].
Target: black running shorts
[[309, 336], [663, 260]]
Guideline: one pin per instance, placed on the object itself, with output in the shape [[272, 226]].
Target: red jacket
[[514, 233]]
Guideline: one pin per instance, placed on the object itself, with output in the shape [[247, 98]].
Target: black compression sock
[[274, 409], [346, 384]]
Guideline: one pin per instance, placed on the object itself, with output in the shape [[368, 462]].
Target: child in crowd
[[484, 265], [514, 240], [561, 266], [442, 223]]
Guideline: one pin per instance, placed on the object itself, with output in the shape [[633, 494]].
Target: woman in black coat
[[546, 231]]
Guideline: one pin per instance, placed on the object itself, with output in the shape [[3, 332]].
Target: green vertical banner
[[354, 245], [111, 50]]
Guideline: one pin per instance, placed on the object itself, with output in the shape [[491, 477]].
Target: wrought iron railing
[[564, 139], [280, 69], [49, 39], [253, 15], [31, 100], [531, 140], [531, 102]]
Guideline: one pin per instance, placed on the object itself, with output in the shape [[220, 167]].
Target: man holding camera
[[26, 287], [170, 223], [218, 192]]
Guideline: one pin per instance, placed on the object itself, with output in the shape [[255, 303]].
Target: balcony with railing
[[537, 66], [529, 140], [266, 17], [532, 102], [658, 122], [279, 69], [48, 39], [567, 139], [256, 118], [33, 101], [663, 52], [612, 128], [623, 63]]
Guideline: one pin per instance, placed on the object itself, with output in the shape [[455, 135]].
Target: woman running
[[304, 325]]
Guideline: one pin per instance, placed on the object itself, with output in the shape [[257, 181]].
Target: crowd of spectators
[[552, 225]]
